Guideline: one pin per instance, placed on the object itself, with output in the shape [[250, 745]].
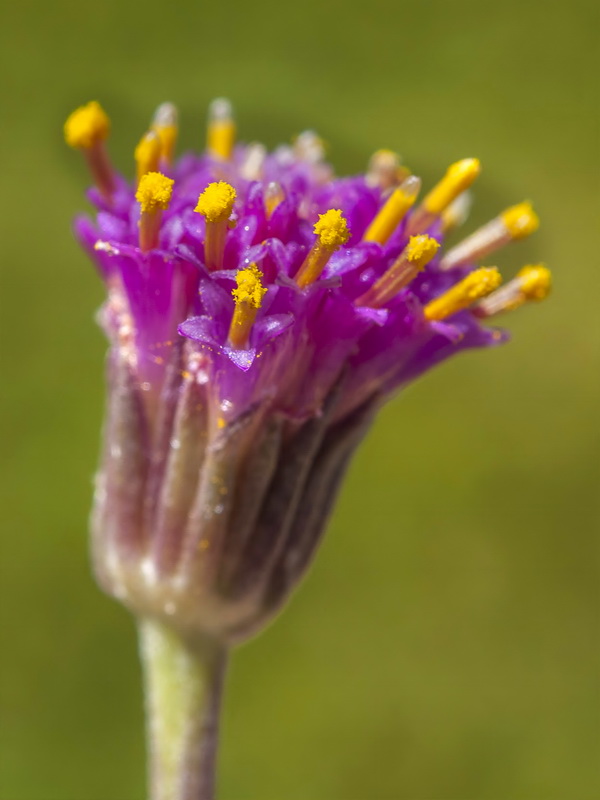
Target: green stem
[[183, 684]]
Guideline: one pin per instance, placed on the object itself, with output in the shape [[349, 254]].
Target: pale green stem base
[[183, 684]]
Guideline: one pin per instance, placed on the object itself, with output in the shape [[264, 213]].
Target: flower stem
[[183, 683]]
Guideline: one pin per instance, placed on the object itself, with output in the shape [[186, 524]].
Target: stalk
[[183, 684]]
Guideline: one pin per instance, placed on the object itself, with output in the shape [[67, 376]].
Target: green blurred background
[[445, 644]]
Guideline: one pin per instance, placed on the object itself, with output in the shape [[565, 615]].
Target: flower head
[[260, 310]]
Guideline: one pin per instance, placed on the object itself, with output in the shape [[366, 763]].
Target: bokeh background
[[445, 644]]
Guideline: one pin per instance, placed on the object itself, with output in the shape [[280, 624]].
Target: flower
[[259, 312]]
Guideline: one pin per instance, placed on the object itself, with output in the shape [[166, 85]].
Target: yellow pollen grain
[[249, 288], [332, 229], [476, 285], [421, 249], [87, 125], [154, 192], [521, 220], [536, 281], [216, 201]]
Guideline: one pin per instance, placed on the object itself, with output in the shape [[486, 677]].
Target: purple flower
[[259, 312]]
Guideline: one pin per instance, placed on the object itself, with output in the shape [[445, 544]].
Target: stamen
[[165, 125], [86, 125], [393, 212], [457, 212], [309, 146], [154, 195], [252, 166], [477, 284], [216, 204], [274, 195], [147, 154], [248, 297], [384, 170], [332, 232], [459, 176], [517, 222], [221, 129], [520, 220], [416, 255], [531, 283], [86, 129]]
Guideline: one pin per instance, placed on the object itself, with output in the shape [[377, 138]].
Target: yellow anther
[[221, 129], [273, 196], [332, 232], [393, 212], [147, 154], [516, 222], [164, 124], [154, 192], [309, 146], [86, 126], [384, 170], [521, 220], [248, 297], [154, 195], [416, 255], [536, 281], [332, 229], [457, 212], [216, 202], [458, 177], [421, 249], [533, 282], [86, 129], [476, 285], [251, 168], [249, 287], [385, 163], [383, 154], [168, 136]]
